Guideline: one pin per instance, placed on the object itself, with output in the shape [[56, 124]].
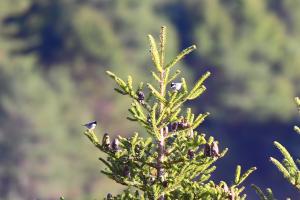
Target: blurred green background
[[53, 55]]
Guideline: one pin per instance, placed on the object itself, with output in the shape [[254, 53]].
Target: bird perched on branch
[[91, 125], [215, 149], [106, 141], [176, 86], [115, 145]]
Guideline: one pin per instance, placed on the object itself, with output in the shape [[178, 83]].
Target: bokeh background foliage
[[53, 54]]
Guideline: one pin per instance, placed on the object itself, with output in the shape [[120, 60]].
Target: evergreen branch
[[191, 119], [173, 115], [179, 99], [175, 75], [107, 164], [172, 99], [200, 81], [239, 190], [200, 119], [133, 111], [120, 91], [156, 93], [184, 85], [162, 45], [297, 129], [246, 174], [162, 115], [153, 121], [118, 80], [127, 89], [280, 167], [178, 179], [290, 168], [129, 85], [134, 139], [222, 154], [180, 56], [92, 137], [154, 53], [155, 76], [237, 175], [161, 96], [168, 117], [140, 111], [188, 114], [183, 132], [165, 79], [197, 93], [153, 116], [268, 196], [169, 164], [286, 155], [210, 170], [110, 175], [198, 89]]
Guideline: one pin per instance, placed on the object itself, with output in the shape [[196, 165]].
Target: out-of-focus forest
[[53, 54]]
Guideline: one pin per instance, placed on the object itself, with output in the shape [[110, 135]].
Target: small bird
[[115, 145], [176, 86], [91, 125], [215, 149], [106, 141]]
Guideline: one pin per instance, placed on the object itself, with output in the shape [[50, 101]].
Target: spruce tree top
[[175, 161]]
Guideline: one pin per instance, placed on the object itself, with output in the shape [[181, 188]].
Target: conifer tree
[[175, 161], [288, 167]]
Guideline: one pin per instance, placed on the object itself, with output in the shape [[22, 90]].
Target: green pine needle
[[154, 53], [181, 56]]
